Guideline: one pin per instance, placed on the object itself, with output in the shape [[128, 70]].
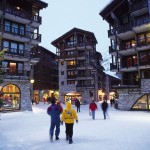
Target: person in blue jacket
[[54, 111]]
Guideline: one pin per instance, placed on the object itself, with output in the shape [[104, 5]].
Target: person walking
[[54, 111], [104, 108], [77, 104], [68, 116], [93, 108]]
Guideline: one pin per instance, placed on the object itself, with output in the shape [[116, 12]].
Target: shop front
[[143, 103], [72, 96], [11, 97], [44, 95]]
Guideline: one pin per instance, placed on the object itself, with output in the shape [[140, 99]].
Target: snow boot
[[67, 137], [57, 138], [70, 140]]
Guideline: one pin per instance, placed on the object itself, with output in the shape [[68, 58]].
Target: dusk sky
[[62, 15]]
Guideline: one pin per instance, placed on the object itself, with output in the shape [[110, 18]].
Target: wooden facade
[[79, 67]]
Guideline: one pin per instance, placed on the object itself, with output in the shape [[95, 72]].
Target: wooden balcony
[[143, 42], [71, 76], [71, 66], [144, 61], [15, 13], [113, 67], [139, 5], [15, 74], [85, 85], [78, 45], [112, 49], [16, 32], [141, 21], [137, 25]]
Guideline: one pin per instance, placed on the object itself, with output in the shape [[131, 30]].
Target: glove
[[76, 121], [61, 122]]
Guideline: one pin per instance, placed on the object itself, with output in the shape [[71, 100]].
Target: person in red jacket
[[93, 108]]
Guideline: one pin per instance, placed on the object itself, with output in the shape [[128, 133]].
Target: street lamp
[[32, 81]]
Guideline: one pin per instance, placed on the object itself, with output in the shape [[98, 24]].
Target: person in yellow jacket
[[68, 116]]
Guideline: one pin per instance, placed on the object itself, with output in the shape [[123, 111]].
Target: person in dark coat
[[77, 104], [54, 111], [104, 108]]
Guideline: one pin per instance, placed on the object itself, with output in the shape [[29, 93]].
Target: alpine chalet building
[[79, 66], [19, 33], [129, 33]]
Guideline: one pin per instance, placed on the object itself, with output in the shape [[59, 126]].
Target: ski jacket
[[54, 111], [77, 103], [69, 114], [93, 106], [104, 106]]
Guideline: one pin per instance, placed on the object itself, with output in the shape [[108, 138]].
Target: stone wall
[[127, 96], [145, 85], [126, 99]]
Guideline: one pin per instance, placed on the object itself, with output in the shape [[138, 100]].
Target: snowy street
[[123, 130]]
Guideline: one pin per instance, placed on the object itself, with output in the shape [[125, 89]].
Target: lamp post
[[33, 61]]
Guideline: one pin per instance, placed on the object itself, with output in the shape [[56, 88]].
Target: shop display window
[[11, 97]]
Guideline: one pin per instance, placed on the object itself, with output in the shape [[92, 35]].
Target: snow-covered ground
[[124, 130]]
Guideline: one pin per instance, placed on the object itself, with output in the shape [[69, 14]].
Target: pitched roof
[[77, 30], [39, 3]]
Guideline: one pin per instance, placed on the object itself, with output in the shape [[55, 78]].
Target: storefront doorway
[[11, 97]]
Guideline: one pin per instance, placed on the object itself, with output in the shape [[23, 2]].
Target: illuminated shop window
[[143, 103], [11, 97]]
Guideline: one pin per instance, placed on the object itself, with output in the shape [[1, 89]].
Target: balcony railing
[[22, 53], [85, 85], [112, 49], [126, 46], [21, 13], [20, 32], [139, 5], [112, 32], [113, 66], [141, 20], [74, 45], [84, 75], [131, 63], [143, 42], [15, 74], [81, 65], [120, 29], [128, 27], [71, 76], [124, 28], [144, 61], [71, 66]]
